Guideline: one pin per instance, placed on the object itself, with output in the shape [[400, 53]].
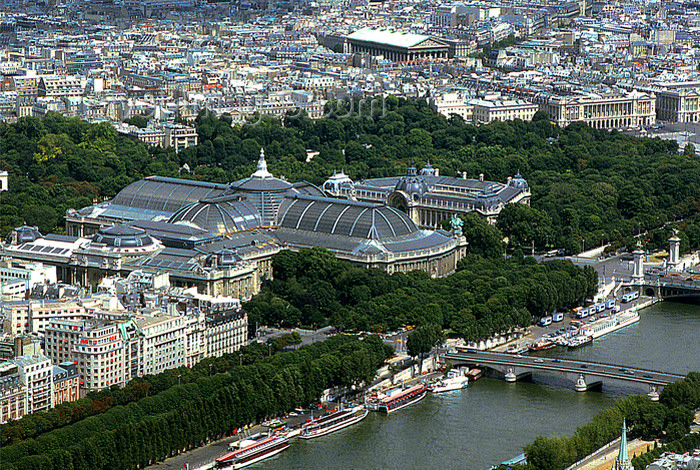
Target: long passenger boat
[[333, 422], [396, 399], [610, 324], [252, 453]]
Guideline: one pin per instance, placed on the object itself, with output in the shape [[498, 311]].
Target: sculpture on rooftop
[[456, 224]]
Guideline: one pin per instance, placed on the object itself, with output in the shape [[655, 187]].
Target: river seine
[[491, 420]]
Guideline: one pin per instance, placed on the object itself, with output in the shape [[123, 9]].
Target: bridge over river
[[586, 375]]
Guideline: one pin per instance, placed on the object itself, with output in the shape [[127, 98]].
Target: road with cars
[[613, 371]]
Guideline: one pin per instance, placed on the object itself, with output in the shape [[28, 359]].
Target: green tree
[[423, 339]]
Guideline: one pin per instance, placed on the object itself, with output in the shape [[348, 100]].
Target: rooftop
[[390, 38]]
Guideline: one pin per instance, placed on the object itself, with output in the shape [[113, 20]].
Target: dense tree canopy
[[484, 296]]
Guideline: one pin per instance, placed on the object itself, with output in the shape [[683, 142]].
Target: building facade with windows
[[614, 110], [95, 346], [226, 332], [36, 373], [65, 383], [13, 393], [429, 198], [678, 105]]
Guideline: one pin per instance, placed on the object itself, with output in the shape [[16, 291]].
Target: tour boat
[[579, 341], [455, 380], [542, 344], [474, 374], [610, 324], [252, 451], [332, 422], [398, 398]]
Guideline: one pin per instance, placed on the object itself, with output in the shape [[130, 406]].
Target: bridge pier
[[653, 393], [510, 375], [581, 384]]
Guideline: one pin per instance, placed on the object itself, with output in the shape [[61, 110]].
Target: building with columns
[[614, 110], [429, 198], [397, 46], [678, 105]]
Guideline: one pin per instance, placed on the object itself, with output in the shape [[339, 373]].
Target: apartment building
[[96, 346], [36, 373], [226, 332], [65, 383], [179, 137], [13, 393], [59, 85], [33, 316], [162, 342], [111, 351], [19, 277]]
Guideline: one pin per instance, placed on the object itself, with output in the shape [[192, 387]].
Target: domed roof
[[428, 170], [519, 182], [261, 180], [24, 234], [412, 183], [222, 215], [343, 217], [161, 194], [122, 236]]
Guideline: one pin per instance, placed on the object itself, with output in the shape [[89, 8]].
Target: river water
[[491, 420]]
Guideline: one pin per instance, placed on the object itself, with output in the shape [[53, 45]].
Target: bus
[[277, 426]]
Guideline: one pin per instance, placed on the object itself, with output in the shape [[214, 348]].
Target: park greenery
[[483, 297], [667, 420], [153, 417]]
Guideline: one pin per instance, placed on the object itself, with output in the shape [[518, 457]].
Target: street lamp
[[210, 366], [178, 378], [240, 359]]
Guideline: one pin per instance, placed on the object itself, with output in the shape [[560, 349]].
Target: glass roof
[[166, 194], [221, 216], [341, 217]]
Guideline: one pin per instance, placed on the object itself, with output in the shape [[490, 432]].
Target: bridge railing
[[564, 361]]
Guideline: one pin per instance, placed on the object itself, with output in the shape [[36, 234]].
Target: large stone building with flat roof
[[613, 110], [397, 46]]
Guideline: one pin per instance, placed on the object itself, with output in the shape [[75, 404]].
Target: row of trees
[[667, 420], [484, 296], [185, 416]]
